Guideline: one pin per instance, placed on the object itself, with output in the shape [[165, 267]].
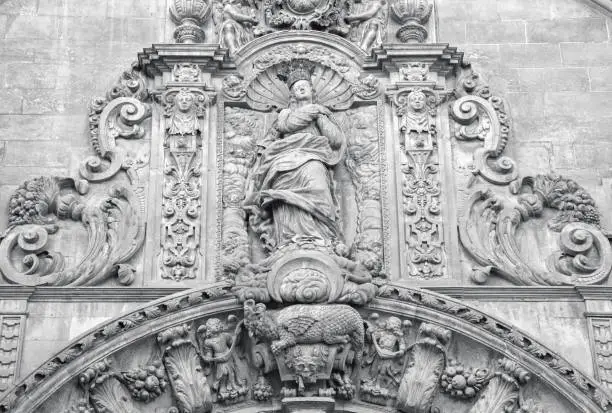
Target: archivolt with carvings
[[419, 349]]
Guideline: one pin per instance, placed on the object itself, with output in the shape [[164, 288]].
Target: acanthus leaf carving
[[488, 231], [419, 382], [502, 393], [114, 226], [189, 384]]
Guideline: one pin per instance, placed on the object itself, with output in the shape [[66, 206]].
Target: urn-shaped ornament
[[189, 15], [413, 15]]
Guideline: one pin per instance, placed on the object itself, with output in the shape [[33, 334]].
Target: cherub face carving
[[416, 100], [184, 101]]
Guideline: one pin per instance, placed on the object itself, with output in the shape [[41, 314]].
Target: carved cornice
[[144, 295], [161, 58], [390, 56]]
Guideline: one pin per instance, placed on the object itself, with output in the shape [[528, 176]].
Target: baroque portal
[[304, 168]]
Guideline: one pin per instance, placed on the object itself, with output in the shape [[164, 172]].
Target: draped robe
[[293, 181]]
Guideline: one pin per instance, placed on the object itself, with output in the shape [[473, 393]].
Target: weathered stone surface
[[547, 60]]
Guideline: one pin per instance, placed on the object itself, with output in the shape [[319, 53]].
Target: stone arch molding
[[202, 350]]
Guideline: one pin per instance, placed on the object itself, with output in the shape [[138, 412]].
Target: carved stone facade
[[293, 181]]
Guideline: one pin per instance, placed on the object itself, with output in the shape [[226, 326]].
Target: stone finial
[[189, 15], [413, 15]]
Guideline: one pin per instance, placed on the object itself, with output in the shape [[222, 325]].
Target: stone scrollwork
[[116, 233], [421, 187], [118, 115], [479, 115], [490, 224]]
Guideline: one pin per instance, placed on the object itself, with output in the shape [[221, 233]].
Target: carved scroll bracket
[[119, 115], [482, 116]]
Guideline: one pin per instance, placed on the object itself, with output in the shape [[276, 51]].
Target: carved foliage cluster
[[114, 226]]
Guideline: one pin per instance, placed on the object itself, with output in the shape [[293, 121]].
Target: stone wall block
[[586, 54], [567, 30], [553, 80], [532, 55], [600, 79], [498, 32], [32, 27]]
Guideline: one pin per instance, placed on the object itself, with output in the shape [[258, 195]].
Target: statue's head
[[297, 76], [213, 327], [394, 325], [184, 101], [302, 91], [417, 100]]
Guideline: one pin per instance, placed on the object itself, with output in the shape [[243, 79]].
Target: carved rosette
[[181, 204], [421, 186]]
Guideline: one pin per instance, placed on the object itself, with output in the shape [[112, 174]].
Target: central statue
[[292, 194], [293, 205]]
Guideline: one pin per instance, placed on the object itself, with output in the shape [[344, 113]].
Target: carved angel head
[[417, 100]]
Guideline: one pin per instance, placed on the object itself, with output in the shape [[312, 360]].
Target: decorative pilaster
[[184, 108], [421, 185], [11, 334]]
